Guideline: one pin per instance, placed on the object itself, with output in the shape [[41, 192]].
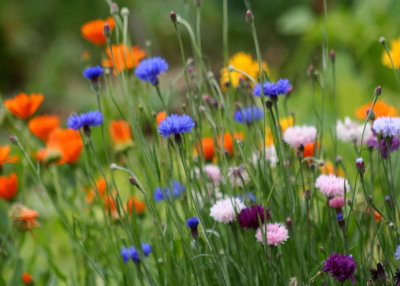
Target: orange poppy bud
[[22, 217], [4, 156], [27, 278], [42, 126], [8, 186], [24, 106], [93, 30], [228, 141]]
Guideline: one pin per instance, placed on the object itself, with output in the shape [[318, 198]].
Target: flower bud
[[388, 201], [197, 2], [360, 166], [13, 139], [124, 12], [172, 15], [332, 55], [382, 41], [339, 159], [107, 30], [307, 195], [249, 17], [268, 104], [132, 181], [288, 222], [114, 10], [378, 90], [371, 114]]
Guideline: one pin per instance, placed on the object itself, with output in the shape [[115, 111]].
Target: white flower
[[238, 176], [296, 136], [387, 126], [270, 156], [226, 210], [350, 131]]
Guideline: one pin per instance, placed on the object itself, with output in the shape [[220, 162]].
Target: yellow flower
[[269, 140], [245, 63], [394, 53], [286, 122]]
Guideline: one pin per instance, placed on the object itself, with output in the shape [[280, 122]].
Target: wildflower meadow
[[203, 164]]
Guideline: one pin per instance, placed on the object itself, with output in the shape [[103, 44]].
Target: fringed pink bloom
[[226, 210], [213, 173], [331, 185], [296, 136], [276, 234], [337, 202]]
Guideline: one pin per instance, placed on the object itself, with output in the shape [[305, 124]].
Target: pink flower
[[337, 202], [213, 173], [331, 185], [296, 136], [276, 234], [226, 210]]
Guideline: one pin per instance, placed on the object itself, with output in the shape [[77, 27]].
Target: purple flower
[[387, 126], [282, 86], [150, 69], [93, 73], [146, 249], [175, 124], [165, 193], [394, 145], [132, 253], [253, 217], [91, 118], [125, 254], [248, 114], [341, 267]]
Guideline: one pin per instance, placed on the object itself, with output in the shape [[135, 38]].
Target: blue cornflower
[[91, 118], [387, 126], [134, 254], [339, 217], [93, 73], [248, 114], [148, 70], [282, 86], [193, 222], [175, 124], [146, 249], [397, 253], [162, 194], [125, 252], [250, 196]]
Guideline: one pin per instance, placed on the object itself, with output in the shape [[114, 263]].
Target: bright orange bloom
[[24, 106], [101, 186], [160, 117], [42, 126], [124, 58], [109, 206], [140, 207], [377, 216], [23, 218], [121, 135], [8, 186], [380, 109], [93, 30], [208, 147], [228, 141], [64, 145], [27, 278], [28, 217], [309, 151], [4, 156]]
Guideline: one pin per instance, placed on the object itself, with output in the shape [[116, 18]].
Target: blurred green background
[[41, 45]]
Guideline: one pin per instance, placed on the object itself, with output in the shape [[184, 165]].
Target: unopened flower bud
[[382, 41], [310, 70], [322, 249], [249, 16], [360, 166], [339, 159], [288, 222], [378, 90], [299, 155], [332, 55], [206, 98], [268, 104], [114, 10], [132, 181], [307, 195], [107, 30], [124, 12], [388, 200], [13, 139], [113, 166], [172, 15], [371, 114]]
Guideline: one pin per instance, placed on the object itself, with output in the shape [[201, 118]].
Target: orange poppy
[[42, 126], [8, 186], [28, 218], [309, 151], [63, 145], [93, 30], [101, 186], [24, 106], [160, 117], [27, 278], [140, 206], [4, 155], [377, 216], [109, 206], [124, 58], [121, 135], [208, 147], [328, 169], [228, 141], [380, 109]]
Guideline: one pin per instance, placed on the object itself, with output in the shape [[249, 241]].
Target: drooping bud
[[268, 104], [132, 181], [13, 139], [172, 15]]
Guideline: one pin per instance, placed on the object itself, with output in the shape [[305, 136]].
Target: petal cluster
[[273, 233], [296, 136], [340, 266], [89, 119], [331, 186], [282, 86], [248, 114], [175, 124], [150, 69], [226, 210]]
